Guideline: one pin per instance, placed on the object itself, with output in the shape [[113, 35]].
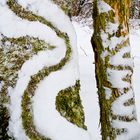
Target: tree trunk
[[114, 68], [33, 47]]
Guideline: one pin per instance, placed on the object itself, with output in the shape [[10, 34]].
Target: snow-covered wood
[[50, 67]]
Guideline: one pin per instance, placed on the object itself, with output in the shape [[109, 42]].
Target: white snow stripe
[[32, 66], [115, 77]]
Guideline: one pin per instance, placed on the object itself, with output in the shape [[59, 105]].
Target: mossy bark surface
[[14, 52], [117, 14]]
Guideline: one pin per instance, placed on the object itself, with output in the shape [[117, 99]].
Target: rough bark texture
[[106, 67]]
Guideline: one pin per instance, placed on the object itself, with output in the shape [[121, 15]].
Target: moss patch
[[69, 105]]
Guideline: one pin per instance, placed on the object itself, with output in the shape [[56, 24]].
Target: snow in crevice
[[112, 42], [2, 2], [111, 27]]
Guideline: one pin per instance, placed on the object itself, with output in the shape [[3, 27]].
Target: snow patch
[[111, 27], [103, 7], [108, 93], [13, 26], [115, 77]]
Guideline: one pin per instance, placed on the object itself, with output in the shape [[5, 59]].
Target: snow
[[89, 85], [51, 121], [2, 2], [105, 39], [132, 128], [112, 42], [116, 76], [118, 59], [90, 98], [119, 103], [107, 92], [135, 42], [62, 22], [103, 7]]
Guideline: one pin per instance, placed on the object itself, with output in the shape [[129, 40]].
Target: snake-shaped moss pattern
[[11, 62], [14, 52]]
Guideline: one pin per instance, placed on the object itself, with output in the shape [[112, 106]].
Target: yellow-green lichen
[[69, 105]]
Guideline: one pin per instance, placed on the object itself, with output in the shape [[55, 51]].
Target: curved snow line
[[132, 130], [49, 122], [24, 79]]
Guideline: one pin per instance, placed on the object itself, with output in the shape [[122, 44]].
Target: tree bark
[[114, 68]]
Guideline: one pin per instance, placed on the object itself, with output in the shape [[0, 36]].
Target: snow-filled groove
[[41, 62]]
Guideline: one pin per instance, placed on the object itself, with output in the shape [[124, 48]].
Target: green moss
[[69, 105], [101, 78]]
